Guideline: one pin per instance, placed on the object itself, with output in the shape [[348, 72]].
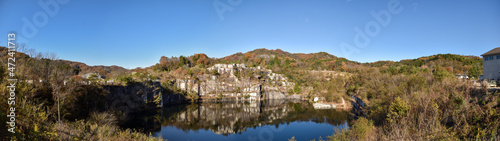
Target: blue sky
[[137, 33]]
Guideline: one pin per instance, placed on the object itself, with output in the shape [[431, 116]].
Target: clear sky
[[133, 33]]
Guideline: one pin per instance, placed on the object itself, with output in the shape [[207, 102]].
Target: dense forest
[[415, 99]]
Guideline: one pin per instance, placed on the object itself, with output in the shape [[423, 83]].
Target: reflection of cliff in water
[[235, 117]]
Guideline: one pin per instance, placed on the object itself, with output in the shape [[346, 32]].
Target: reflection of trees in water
[[235, 117]]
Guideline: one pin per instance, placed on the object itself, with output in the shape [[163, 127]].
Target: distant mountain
[[77, 67], [108, 71], [280, 53], [279, 60]]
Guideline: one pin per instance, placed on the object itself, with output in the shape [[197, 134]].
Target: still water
[[242, 121]]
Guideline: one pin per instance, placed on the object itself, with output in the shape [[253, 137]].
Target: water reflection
[[279, 119]]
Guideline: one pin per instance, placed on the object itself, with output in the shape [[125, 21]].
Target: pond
[[252, 121]]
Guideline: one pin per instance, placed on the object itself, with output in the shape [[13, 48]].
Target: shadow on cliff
[[358, 107], [129, 101]]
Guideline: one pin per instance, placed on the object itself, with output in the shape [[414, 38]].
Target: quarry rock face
[[239, 82], [234, 82], [136, 97]]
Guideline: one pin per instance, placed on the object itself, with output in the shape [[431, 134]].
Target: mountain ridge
[[316, 61]]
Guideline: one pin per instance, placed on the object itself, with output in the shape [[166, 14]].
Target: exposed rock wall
[[134, 97], [238, 81]]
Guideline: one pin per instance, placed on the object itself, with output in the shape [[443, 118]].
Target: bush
[[297, 89], [362, 129], [100, 126], [398, 109], [441, 73], [214, 72], [127, 79]]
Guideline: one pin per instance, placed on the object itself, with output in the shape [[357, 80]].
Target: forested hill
[[452, 62], [108, 71], [273, 59], [40, 60], [280, 60]]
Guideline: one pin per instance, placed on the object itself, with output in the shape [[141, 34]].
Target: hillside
[[457, 64], [286, 62], [107, 71], [42, 62], [277, 60], [313, 74]]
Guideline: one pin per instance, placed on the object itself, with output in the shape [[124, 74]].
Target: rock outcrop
[[137, 97], [238, 82]]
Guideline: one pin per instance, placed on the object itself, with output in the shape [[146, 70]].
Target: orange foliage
[[249, 56], [449, 69], [256, 60], [76, 78], [163, 60], [344, 66], [202, 59], [179, 70]]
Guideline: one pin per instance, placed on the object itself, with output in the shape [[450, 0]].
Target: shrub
[[219, 96], [127, 79], [214, 72], [398, 109], [237, 73], [441, 73], [100, 126], [297, 89], [362, 129]]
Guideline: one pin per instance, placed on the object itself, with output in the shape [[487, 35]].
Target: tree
[[183, 61], [214, 72], [398, 109], [202, 59], [127, 79], [475, 71], [276, 61], [190, 72], [343, 67], [441, 73], [163, 60], [237, 73]]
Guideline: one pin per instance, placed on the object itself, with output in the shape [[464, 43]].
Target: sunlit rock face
[[239, 82]]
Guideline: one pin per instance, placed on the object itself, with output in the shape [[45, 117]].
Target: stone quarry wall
[[269, 85], [133, 98]]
